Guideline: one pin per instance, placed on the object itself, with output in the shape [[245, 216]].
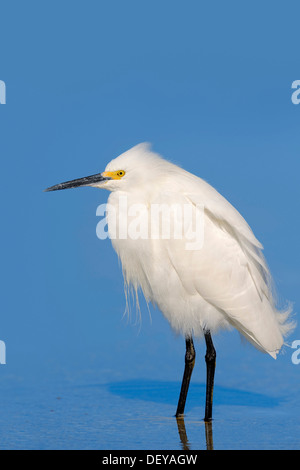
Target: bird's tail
[[270, 334]]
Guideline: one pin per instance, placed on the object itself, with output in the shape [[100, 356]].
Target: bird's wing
[[228, 219], [228, 270]]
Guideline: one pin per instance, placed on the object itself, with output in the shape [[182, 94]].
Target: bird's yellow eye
[[114, 175]]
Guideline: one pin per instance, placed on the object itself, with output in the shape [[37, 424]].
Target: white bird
[[223, 283]]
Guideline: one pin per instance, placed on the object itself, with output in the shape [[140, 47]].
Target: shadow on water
[[168, 392], [165, 392]]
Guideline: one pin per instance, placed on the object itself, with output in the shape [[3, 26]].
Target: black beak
[[87, 181]]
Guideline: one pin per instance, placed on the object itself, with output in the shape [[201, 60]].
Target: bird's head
[[131, 169]]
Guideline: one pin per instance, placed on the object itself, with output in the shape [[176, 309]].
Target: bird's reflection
[[209, 436], [183, 435]]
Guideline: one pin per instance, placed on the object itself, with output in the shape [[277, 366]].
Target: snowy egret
[[223, 283]]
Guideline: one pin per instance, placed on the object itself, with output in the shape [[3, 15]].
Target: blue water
[[209, 84], [67, 405]]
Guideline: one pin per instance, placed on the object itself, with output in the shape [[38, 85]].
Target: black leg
[[210, 359], [188, 369]]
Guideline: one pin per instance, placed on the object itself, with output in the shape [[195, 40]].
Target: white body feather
[[225, 283]]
